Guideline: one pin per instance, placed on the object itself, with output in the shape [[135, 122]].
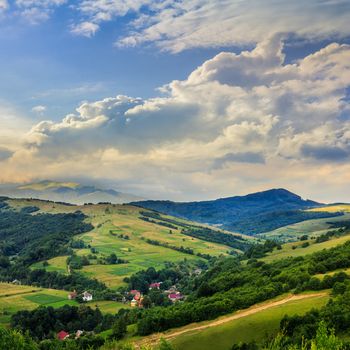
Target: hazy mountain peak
[[47, 184], [236, 213], [70, 192]]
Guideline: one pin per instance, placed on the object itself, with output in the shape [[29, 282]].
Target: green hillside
[[14, 298], [257, 326], [135, 239], [126, 248], [251, 214]]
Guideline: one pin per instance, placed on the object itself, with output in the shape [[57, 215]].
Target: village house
[[62, 335], [87, 296], [174, 297], [78, 334], [134, 292], [133, 303], [72, 295], [155, 285], [197, 271]]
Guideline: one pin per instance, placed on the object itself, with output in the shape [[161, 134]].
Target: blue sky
[[44, 64], [178, 99]]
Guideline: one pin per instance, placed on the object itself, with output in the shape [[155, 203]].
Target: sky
[[177, 99]]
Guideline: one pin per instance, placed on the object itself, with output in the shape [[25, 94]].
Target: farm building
[[62, 335], [174, 297], [155, 285], [87, 296], [72, 295]]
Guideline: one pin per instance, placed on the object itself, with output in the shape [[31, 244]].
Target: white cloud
[[183, 24], [239, 121], [87, 29], [40, 109], [37, 11]]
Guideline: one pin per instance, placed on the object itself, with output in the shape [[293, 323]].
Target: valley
[[121, 246]]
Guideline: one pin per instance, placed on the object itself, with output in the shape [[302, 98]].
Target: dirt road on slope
[[153, 339]]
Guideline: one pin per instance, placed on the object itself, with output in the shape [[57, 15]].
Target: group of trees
[[335, 314], [77, 262], [256, 251], [45, 322], [181, 249], [26, 239], [46, 279], [38, 237], [323, 339], [13, 339], [230, 286], [210, 235], [174, 273]]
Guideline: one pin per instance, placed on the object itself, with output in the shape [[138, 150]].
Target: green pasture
[[255, 327]]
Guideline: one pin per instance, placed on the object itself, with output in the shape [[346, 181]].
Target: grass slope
[[257, 326], [14, 298], [334, 208], [112, 221], [288, 251], [316, 227]]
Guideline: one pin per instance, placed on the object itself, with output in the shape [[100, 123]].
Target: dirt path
[[153, 339]]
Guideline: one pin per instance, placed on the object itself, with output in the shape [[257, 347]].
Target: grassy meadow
[[288, 250], [341, 207], [119, 229], [256, 327], [14, 298], [313, 228]]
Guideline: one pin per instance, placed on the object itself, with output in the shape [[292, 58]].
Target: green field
[[345, 208], [288, 251], [14, 298], [57, 264], [253, 327], [113, 221], [317, 227]]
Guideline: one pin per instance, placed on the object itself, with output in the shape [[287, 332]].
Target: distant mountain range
[[69, 192], [251, 214]]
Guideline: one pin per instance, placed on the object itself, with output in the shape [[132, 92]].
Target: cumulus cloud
[[180, 25], [239, 121]]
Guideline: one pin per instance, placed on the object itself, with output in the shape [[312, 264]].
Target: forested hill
[[250, 214]]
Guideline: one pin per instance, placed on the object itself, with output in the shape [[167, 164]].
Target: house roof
[[155, 285], [134, 292], [62, 335], [87, 294], [174, 296]]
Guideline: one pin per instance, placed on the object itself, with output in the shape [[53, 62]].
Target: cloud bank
[[184, 24], [179, 25], [238, 123]]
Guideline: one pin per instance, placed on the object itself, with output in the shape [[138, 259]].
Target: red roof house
[[154, 285], [62, 335], [73, 295], [137, 296], [175, 297], [134, 292]]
